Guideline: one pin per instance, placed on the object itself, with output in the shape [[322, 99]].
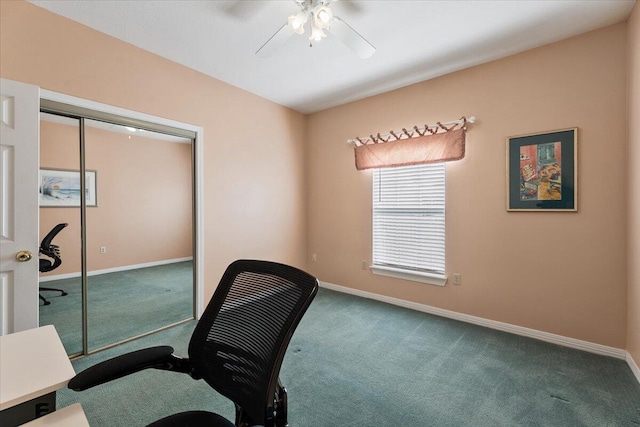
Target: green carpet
[[121, 305], [357, 362]]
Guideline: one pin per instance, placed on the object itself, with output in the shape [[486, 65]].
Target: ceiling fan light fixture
[[316, 33], [296, 22], [322, 16], [319, 17]]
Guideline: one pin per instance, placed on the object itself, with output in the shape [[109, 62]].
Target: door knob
[[24, 256]]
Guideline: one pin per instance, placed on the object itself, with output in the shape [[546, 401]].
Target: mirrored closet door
[[139, 231], [60, 229], [126, 254]]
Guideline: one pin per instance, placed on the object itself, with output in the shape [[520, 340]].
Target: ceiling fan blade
[[351, 38], [275, 41], [351, 6], [243, 9]]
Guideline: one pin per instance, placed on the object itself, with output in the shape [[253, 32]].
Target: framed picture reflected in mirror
[[61, 188]]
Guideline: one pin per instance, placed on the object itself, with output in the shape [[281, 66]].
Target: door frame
[[198, 234]]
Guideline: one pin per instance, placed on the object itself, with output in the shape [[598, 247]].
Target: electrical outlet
[[314, 257], [457, 279], [363, 264], [103, 249]]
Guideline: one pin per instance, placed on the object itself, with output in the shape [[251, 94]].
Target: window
[[409, 223]]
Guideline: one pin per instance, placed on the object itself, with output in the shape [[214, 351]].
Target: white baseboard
[[114, 269], [633, 366], [493, 324]]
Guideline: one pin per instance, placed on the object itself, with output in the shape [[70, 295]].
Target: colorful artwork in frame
[[542, 171], [61, 188]]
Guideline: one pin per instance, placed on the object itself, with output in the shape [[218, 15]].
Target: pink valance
[[427, 148]]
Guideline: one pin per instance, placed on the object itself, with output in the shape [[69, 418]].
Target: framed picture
[[61, 188], [542, 171]]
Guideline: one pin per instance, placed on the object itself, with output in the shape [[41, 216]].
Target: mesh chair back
[[240, 341], [50, 250], [45, 245]]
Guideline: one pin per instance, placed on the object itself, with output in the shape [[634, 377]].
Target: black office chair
[[53, 252], [237, 346]]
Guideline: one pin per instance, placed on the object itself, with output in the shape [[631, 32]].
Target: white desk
[[33, 364], [69, 416]]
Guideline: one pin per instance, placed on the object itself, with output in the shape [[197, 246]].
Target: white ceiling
[[415, 40]]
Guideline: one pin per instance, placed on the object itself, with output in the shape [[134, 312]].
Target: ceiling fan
[[316, 17]]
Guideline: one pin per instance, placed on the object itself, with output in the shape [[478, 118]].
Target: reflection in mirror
[[60, 249], [139, 238]]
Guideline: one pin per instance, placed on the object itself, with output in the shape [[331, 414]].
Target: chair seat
[[193, 419]]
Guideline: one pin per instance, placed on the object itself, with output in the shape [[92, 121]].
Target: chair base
[[193, 419], [47, 302]]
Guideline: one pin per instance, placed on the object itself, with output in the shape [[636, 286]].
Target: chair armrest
[[155, 357]]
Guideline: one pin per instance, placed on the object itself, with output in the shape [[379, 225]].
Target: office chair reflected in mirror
[[53, 252], [237, 346]]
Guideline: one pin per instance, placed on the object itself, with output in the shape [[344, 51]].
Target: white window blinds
[[409, 218]]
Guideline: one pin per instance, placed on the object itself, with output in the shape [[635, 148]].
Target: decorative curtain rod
[[413, 133]]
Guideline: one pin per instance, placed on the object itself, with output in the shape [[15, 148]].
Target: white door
[[19, 137]]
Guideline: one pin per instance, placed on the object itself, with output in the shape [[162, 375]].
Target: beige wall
[[564, 273], [633, 296], [254, 182], [558, 272], [144, 198]]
